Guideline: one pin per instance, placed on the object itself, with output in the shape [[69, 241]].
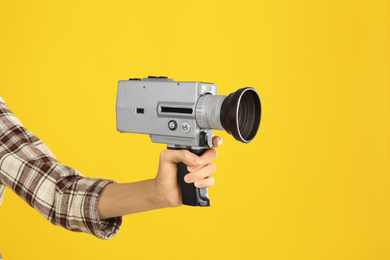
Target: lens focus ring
[[208, 110]]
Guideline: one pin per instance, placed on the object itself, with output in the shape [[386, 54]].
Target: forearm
[[119, 199], [163, 191]]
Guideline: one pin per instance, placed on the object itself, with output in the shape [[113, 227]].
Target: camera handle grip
[[191, 195]]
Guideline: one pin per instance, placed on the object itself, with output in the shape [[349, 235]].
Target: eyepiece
[[241, 114]]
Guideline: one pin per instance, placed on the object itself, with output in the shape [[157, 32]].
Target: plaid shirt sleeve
[[60, 193]]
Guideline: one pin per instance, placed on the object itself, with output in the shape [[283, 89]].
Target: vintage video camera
[[183, 116]]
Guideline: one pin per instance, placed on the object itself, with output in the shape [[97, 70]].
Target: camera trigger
[[210, 140], [206, 139]]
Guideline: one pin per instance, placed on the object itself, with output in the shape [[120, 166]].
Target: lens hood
[[241, 114]]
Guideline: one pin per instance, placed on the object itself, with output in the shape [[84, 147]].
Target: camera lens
[[241, 113], [238, 114]]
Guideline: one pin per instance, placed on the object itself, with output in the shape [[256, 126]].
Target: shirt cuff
[[77, 207], [101, 228]]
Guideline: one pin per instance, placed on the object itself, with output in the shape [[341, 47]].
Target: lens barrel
[[208, 111], [238, 114]]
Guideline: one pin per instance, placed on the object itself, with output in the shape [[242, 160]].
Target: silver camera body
[[183, 115], [171, 112]]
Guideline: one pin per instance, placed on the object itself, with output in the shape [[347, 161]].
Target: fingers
[[201, 177], [177, 156], [217, 141], [209, 156], [205, 183], [200, 167], [190, 159]]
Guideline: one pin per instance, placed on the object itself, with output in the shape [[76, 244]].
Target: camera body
[[183, 115], [165, 109]]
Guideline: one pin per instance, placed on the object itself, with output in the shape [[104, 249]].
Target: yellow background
[[314, 184]]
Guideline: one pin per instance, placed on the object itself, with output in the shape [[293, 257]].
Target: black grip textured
[[191, 195]]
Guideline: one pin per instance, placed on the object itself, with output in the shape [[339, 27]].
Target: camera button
[[172, 125], [185, 127]]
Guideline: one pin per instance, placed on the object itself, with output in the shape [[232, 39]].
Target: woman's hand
[[200, 170]]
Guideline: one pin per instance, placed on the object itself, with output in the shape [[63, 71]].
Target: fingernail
[[188, 178], [220, 141], [198, 184]]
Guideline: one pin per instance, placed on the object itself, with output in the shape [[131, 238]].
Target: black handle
[[191, 195]]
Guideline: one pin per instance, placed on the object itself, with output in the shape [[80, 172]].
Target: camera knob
[[185, 127], [172, 125]]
